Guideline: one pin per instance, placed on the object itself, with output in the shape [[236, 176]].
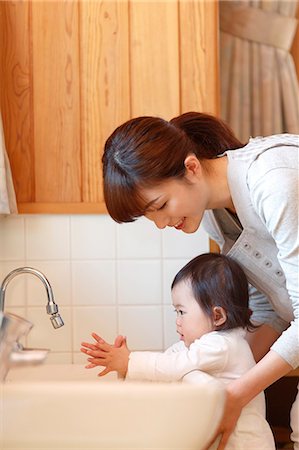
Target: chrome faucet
[[13, 328], [51, 307]]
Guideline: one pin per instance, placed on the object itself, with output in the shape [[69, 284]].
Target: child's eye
[[179, 312]]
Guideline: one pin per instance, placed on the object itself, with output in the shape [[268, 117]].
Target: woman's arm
[[243, 390], [275, 199], [260, 340]]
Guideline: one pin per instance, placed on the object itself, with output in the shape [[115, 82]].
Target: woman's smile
[[180, 224]]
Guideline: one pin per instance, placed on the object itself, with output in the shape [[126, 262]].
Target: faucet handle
[[27, 356], [13, 327]]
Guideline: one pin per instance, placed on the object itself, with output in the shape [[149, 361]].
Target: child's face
[[192, 322]]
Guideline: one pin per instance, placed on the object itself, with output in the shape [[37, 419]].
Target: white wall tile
[[177, 244], [81, 358], [59, 358], [139, 282], [93, 282], [143, 327], [140, 239], [43, 335], [12, 238], [58, 273], [19, 311], [47, 237], [15, 293], [93, 237], [101, 320], [170, 269]]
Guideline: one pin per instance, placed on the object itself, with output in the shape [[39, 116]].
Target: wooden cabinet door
[[71, 72]]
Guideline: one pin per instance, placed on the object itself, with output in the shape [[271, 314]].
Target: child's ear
[[219, 315]]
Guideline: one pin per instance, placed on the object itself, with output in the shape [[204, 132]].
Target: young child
[[210, 297]]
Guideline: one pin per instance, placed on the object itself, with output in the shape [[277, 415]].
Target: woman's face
[[191, 322], [176, 203]]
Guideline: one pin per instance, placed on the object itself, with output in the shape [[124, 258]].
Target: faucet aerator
[[56, 320]]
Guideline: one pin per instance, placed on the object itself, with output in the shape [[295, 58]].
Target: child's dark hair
[[218, 280]]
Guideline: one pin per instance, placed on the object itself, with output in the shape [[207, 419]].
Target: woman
[[192, 170]]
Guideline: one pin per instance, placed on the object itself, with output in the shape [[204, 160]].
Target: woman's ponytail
[[211, 135]]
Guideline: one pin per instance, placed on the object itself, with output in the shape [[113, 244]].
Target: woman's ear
[[193, 166], [219, 316]]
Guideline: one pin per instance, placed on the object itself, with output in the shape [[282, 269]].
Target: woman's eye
[[163, 206]]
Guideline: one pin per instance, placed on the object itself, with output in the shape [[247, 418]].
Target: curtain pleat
[[8, 203], [259, 85], [255, 116]]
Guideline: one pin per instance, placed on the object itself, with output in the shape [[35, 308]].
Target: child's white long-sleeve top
[[225, 355]]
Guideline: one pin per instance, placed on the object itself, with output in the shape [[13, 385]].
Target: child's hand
[[113, 357], [117, 343]]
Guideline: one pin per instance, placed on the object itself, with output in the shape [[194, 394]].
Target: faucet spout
[[52, 308]]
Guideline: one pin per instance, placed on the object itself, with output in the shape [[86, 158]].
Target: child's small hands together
[[113, 357]]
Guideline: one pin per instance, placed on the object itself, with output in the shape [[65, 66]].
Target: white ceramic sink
[[68, 407]]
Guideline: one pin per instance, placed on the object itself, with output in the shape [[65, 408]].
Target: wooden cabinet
[[71, 71]]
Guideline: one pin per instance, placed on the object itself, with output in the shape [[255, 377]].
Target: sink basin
[[67, 407]]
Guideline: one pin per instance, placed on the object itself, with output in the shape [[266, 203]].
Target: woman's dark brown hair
[[148, 150], [217, 280]]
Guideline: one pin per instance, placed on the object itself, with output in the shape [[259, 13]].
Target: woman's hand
[[242, 390], [113, 357]]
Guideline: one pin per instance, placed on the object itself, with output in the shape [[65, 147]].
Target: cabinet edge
[[62, 208]]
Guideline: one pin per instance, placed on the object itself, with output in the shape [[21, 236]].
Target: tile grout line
[[25, 231], [72, 315], [162, 290], [116, 267]]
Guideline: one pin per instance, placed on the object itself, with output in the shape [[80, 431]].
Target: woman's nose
[[160, 222]]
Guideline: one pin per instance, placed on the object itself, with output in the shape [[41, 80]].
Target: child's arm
[[207, 354], [96, 358]]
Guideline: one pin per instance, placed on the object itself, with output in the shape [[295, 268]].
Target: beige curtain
[[8, 203], [259, 86]]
